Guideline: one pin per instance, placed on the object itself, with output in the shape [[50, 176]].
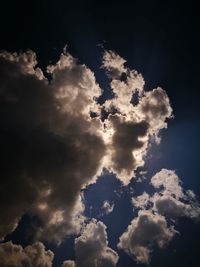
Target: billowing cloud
[[154, 224], [144, 232], [155, 107], [169, 181], [91, 248], [141, 201], [52, 146], [171, 200], [114, 64], [35, 255], [135, 117]]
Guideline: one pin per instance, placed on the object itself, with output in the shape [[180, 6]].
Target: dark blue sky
[[160, 40]]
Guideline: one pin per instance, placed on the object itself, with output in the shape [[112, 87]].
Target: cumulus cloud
[[135, 117], [56, 139], [50, 147], [35, 255], [154, 224], [107, 207], [141, 201], [91, 248], [172, 200], [155, 107], [144, 232], [114, 64], [169, 182]]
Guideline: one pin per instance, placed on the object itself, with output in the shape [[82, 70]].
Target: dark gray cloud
[[47, 153], [126, 140]]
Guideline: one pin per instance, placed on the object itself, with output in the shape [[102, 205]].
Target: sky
[[99, 134]]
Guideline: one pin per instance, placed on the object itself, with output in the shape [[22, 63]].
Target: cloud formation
[[35, 255], [56, 139], [91, 248], [145, 231], [131, 123], [155, 222], [107, 207], [51, 145]]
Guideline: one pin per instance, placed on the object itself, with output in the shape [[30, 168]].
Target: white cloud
[[114, 64], [169, 206], [172, 201], [169, 181], [150, 227], [141, 201], [131, 125], [107, 207], [155, 107], [144, 232], [91, 248]]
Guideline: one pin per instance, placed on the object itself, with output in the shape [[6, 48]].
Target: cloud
[[125, 141], [107, 207], [169, 206], [52, 147], [169, 181], [114, 64], [172, 201], [154, 224], [155, 107], [144, 232], [35, 255], [125, 84], [141, 201], [56, 139], [91, 248], [68, 263], [135, 116]]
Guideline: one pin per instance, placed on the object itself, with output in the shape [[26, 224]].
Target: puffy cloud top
[[32, 256], [146, 230], [91, 248], [154, 224]]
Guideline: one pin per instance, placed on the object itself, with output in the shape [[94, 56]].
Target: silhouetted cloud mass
[[55, 142]]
